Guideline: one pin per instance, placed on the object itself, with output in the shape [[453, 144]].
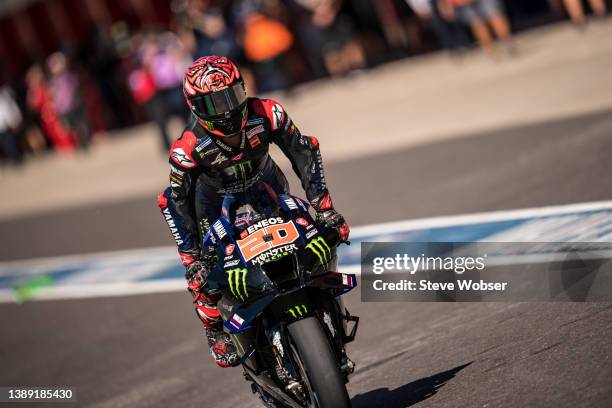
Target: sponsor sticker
[[255, 121], [311, 234], [219, 159], [229, 264], [302, 205], [229, 249], [274, 234], [291, 204], [256, 130], [171, 224], [223, 146], [243, 219], [219, 229], [254, 142], [302, 222], [274, 254], [176, 171], [236, 321], [212, 151], [203, 144], [264, 223]]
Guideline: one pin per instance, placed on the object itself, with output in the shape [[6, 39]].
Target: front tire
[[314, 350]]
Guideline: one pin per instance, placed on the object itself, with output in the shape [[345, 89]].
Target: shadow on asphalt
[[408, 394]]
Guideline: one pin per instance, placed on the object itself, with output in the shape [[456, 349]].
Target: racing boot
[[220, 344]]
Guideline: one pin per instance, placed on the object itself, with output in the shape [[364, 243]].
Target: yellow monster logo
[[236, 278], [298, 310], [320, 249]]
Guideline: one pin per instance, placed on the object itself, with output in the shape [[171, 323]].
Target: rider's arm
[[180, 212], [302, 151]]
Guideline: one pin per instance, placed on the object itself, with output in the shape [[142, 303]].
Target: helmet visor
[[220, 103]]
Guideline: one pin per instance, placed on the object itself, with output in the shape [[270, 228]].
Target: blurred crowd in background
[[124, 74]]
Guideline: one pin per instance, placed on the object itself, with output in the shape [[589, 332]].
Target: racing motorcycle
[[281, 300]]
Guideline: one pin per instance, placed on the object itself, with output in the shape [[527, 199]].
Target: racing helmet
[[215, 93]]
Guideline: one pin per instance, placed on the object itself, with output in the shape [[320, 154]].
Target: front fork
[[336, 326]]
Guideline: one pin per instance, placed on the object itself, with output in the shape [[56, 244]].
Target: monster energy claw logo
[[320, 249], [240, 170], [298, 310], [236, 279]]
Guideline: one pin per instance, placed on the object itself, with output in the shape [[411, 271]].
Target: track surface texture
[[149, 350]]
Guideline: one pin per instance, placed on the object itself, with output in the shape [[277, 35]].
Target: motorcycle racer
[[224, 149]]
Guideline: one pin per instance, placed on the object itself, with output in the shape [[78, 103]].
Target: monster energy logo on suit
[[240, 170], [298, 310], [236, 279], [320, 249]]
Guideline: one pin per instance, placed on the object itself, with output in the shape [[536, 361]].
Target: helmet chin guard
[[226, 127]]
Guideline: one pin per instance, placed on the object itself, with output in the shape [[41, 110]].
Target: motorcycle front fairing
[[276, 256]]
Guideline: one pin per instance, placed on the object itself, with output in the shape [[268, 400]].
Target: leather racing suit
[[203, 169]]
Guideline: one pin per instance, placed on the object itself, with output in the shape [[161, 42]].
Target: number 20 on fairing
[[267, 238]]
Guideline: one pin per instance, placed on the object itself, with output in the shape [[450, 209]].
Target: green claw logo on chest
[[241, 170]]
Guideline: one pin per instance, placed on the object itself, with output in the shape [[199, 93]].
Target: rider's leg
[[208, 208], [205, 300]]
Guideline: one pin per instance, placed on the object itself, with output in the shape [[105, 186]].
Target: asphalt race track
[[148, 350]]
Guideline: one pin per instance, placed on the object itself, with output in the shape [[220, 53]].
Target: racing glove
[[333, 219], [328, 216], [196, 273], [204, 298]]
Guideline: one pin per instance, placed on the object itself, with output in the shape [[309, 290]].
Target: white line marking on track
[[161, 255], [466, 219]]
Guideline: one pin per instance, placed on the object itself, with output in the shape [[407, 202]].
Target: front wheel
[[319, 366]]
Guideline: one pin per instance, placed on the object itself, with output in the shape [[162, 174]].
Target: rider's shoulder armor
[[272, 111]]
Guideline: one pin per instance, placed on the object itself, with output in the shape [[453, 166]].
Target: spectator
[[167, 64], [41, 104], [10, 121], [155, 81], [213, 35], [576, 11], [266, 42], [391, 24], [330, 33], [476, 14], [65, 88], [449, 33], [103, 63]]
